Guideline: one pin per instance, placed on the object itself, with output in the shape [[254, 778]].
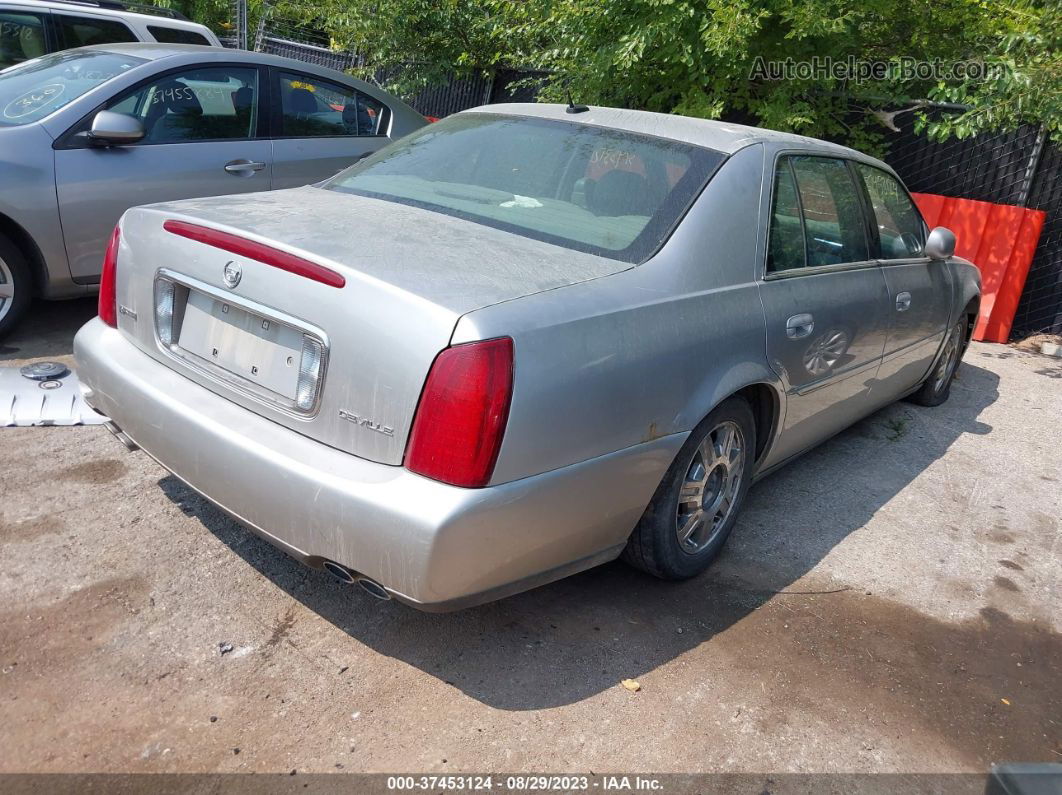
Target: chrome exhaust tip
[[121, 436], [348, 577], [374, 589], [341, 573]]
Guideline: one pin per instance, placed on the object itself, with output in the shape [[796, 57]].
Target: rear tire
[[937, 386], [15, 286], [695, 506]]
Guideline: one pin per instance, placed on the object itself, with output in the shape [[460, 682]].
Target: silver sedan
[[86, 134], [522, 342]]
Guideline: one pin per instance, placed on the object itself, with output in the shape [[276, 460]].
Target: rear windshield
[[593, 189], [38, 88]]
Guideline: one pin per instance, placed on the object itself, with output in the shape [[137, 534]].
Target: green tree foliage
[[700, 57], [212, 13], [696, 57], [1027, 88]]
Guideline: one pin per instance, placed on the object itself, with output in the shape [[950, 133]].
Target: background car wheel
[[14, 286], [937, 386], [698, 501]]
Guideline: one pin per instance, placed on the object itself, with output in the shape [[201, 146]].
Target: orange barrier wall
[[1000, 240]]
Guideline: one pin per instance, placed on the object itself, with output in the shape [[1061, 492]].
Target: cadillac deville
[[521, 342]]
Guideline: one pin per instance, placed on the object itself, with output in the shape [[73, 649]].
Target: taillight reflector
[[267, 255], [108, 304], [458, 429]]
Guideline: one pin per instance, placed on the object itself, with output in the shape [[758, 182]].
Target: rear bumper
[[434, 546]]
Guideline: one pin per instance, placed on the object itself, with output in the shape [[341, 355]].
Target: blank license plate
[[252, 347]]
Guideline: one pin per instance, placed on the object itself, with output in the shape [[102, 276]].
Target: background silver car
[[522, 342], [87, 133]]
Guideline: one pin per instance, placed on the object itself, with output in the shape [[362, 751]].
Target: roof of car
[[141, 12], [720, 136], [154, 51]]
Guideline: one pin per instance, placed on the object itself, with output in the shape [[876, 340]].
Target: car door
[[920, 289], [824, 298], [321, 127], [200, 140]]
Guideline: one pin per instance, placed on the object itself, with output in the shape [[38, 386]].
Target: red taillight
[[460, 421], [258, 251], [108, 306]]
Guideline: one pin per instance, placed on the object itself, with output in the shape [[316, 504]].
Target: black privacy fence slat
[[1041, 302]]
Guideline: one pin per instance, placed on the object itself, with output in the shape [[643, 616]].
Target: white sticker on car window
[[522, 201], [33, 101]]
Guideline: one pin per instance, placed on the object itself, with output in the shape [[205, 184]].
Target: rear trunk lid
[[409, 276]]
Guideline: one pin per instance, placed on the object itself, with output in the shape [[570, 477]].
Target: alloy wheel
[[949, 360], [7, 289], [709, 490]]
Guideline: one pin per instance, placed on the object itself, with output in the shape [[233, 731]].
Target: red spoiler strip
[[256, 251]]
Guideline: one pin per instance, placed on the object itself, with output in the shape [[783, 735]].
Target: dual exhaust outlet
[[340, 572], [348, 577]]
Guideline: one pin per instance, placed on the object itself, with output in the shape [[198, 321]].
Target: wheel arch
[[971, 311], [22, 240], [766, 404], [764, 398]]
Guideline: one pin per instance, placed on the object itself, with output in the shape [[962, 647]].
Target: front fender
[[28, 204]]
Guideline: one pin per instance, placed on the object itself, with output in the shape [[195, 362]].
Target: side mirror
[[114, 129], [940, 244]]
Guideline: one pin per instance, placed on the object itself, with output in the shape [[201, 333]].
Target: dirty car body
[[479, 360]]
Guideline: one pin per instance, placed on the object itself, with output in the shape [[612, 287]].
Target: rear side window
[[834, 227], [311, 107], [900, 227], [176, 35], [77, 31], [21, 37], [785, 249]]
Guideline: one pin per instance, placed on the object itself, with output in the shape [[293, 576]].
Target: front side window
[[608, 192], [21, 37], [77, 31], [900, 227], [311, 107], [217, 103], [834, 227], [33, 90], [176, 35]]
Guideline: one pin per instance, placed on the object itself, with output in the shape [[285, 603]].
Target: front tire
[[15, 286], [937, 386], [695, 506]]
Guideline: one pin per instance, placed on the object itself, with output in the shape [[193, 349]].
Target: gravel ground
[[890, 602]]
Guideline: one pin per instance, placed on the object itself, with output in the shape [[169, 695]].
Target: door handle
[[243, 168], [903, 302], [799, 326]]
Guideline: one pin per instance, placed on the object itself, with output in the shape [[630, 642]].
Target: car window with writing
[[198, 105]]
